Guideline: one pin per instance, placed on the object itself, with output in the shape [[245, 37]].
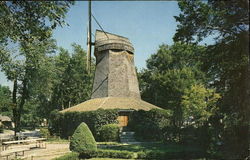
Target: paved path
[[9, 134], [53, 150]]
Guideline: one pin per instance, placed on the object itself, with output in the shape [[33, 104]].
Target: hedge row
[[150, 125], [131, 155], [140, 155], [69, 156], [106, 154], [152, 122], [155, 125], [64, 124], [170, 155], [109, 133]]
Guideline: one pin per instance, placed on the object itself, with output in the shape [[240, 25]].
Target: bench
[[38, 141], [9, 152], [31, 157]]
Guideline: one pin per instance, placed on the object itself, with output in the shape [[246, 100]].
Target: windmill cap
[[108, 41]]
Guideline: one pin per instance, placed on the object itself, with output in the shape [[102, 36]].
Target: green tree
[[227, 61], [5, 100], [28, 26], [199, 103], [79, 82], [74, 84], [25, 20], [30, 116], [171, 71], [24, 73], [42, 88]]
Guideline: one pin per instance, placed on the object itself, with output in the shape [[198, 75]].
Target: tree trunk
[[18, 109], [22, 102], [14, 109], [244, 131]]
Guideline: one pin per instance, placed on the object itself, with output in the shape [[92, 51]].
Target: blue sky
[[146, 23]]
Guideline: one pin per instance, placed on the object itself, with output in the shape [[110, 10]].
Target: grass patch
[[57, 140], [68, 156], [108, 143], [118, 151], [106, 159]]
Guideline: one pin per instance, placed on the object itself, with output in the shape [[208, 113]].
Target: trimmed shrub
[[64, 124], [150, 122], [107, 154], [44, 132], [69, 156], [82, 139], [109, 133]]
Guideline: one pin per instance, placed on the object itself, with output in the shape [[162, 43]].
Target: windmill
[[115, 84], [121, 83]]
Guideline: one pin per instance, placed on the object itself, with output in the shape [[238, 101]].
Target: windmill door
[[123, 120]]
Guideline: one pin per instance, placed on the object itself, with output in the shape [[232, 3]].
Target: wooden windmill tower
[[115, 84]]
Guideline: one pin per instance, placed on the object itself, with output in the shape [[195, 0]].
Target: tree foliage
[[171, 71], [5, 100], [227, 61], [25, 73], [29, 20], [72, 83], [199, 104], [25, 36]]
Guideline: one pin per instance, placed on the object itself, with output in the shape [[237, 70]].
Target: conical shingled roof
[[122, 103]]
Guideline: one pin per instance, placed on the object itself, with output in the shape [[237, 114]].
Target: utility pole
[[89, 41]]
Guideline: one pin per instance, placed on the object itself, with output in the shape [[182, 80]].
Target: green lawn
[[106, 159], [153, 149], [57, 140]]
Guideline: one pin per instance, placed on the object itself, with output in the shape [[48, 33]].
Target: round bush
[[109, 133], [82, 139]]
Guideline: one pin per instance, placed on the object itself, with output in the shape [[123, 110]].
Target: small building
[[6, 122], [115, 83], [125, 105]]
